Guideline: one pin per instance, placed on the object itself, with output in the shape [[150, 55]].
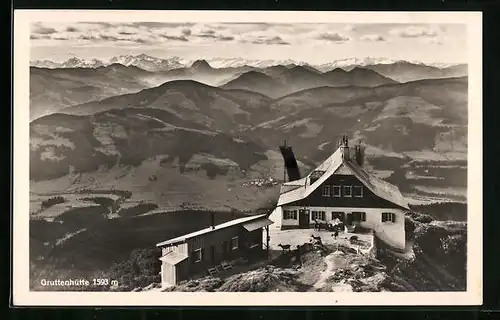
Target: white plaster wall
[[392, 233], [276, 217]]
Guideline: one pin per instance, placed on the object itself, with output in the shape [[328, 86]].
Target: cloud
[[59, 38], [414, 32], [212, 34], [208, 32], [71, 29], [209, 36], [125, 31], [372, 37], [104, 25], [140, 40], [226, 38], [109, 38], [240, 28], [276, 40], [333, 37], [157, 25], [38, 36], [40, 29], [175, 38], [88, 37]]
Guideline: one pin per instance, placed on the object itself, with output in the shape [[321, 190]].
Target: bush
[[421, 217], [52, 202], [424, 218], [140, 270], [409, 228]]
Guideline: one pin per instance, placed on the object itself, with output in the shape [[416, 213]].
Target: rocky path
[[333, 262]]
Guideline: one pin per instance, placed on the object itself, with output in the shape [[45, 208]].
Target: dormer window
[[337, 192], [348, 191], [358, 191], [326, 191]]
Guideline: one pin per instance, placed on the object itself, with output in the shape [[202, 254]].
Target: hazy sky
[[312, 43]]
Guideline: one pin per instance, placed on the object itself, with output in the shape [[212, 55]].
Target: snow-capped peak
[[147, 62], [150, 63]]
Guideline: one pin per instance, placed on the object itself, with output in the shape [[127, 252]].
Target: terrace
[[296, 237]]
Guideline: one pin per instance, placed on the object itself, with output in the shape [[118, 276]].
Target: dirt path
[[333, 262]]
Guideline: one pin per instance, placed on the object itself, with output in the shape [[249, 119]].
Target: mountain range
[[277, 82], [142, 61], [52, 89], [83, 119], [239, 129], [150, 63]]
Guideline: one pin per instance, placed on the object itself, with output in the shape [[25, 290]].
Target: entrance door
[[304, 218], [348, 219], [168, 274], [212, 254], [225, 249]]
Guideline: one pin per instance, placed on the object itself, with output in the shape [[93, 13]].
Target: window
[[318, 215], [326, 191], [358, 191], [338, 215], [198, 255], [337, 191], [359, 216], [388, 216], [290, 214], [234, 243], [167, 250], [347, 191]]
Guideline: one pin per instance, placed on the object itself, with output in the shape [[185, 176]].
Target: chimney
[[359, 155], [344, 147], [212, 220]]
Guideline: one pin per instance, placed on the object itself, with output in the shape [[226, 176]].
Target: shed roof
[[210, 229], [297, 190], [174, 257]]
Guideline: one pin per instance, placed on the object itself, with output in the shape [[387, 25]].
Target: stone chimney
[[344, 147]]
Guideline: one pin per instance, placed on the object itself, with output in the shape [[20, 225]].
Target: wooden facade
[[195, 253], [365, 199], [222, 245]]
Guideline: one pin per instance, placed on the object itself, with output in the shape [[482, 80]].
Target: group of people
[[336, 225]]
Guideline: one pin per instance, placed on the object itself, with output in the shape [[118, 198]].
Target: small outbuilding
[[197, 252]]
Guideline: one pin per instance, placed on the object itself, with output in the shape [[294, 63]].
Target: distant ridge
[[151, 63]]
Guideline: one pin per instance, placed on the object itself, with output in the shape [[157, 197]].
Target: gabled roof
[[297, 190], [210, 229]]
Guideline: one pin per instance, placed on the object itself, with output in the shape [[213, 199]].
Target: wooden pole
[[267, 239]]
